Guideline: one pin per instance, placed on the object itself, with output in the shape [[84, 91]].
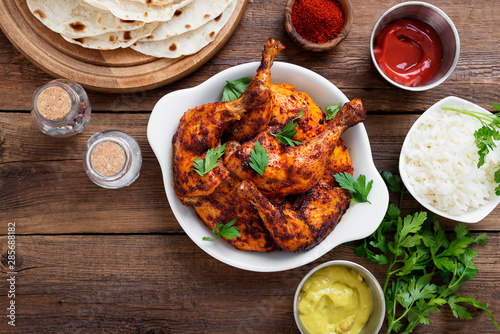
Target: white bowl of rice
[[438, 163]]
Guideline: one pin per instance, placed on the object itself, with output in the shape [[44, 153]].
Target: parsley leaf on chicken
[[203, 166]]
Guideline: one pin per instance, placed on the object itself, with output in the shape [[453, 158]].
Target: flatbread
[[113, 40], [190, 17], [134, 10], [76, 20], [188, 42], [155, 2]]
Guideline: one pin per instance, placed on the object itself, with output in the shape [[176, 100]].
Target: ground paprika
[[318, 21]]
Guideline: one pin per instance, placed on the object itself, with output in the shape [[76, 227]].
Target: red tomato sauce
[[409, 52]]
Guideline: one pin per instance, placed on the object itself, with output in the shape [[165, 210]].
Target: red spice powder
[[318, 21]]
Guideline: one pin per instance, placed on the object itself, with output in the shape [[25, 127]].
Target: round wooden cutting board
[[114, 71]]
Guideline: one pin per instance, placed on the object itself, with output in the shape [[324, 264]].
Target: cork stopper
[[53, 103], [108, 158]]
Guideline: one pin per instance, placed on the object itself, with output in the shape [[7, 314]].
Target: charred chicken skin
[[257, 118], [201, 128], [296, 203], [223, 205], [292, 170], [306, 222], [303, 223], [287, 104]]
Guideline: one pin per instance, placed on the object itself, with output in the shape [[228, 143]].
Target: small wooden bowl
[[304, 43]]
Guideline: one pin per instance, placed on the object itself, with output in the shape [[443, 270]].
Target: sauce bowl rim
[[373, 284], [445, 17]]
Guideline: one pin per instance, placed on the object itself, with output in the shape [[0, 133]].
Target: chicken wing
[[305, 223], [292, 170], [201, 128]]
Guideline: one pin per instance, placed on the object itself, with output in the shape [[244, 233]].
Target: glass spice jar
[[112, 159], [61, 108]]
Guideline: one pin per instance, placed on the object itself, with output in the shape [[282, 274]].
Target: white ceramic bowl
[[358, 222], [437, 19], [377, 317], [472, 216]]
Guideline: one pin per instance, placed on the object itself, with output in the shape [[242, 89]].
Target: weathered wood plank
[[57, 197], [348, 66], [21, 140], [164, 283]]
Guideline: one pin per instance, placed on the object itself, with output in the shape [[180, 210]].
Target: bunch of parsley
[[425, 267]]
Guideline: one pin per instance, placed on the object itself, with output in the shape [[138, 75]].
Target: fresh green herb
[[203, 166], [233, 89], [259, 158], [285, 136], [416, 250], [394, 185], [225, 230], [331, 111], [358, 188], [485, 135]]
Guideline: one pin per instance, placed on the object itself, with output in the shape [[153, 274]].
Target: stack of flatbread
[[159, 28]]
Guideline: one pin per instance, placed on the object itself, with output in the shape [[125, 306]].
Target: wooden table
[[96, 260]]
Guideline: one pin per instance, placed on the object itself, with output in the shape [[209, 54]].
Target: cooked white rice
[[441, 163]]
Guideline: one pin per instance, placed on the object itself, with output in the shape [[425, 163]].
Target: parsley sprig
[[203, 166], [285, 136], [233, 89], [358, 188], [259, 158], [331, 111], [416, 250], [484, 136], [225, 230]]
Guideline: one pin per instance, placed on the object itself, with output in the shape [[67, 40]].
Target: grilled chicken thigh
[[287, 104], [306, 222], [302, 223], [292, 170], [223, 206]]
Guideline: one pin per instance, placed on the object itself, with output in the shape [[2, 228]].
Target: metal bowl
[[437, 19], [378, 313]]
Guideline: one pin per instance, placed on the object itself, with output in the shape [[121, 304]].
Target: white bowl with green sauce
[[339, 297]]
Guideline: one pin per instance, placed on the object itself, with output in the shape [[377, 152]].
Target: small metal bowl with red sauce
[[307, 23], [414, 46]]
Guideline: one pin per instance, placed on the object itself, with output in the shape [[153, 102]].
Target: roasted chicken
[[201, 128], [223, 205], [296, 203], [257, 117], [292, 170], [306, 222], [287, 104]]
